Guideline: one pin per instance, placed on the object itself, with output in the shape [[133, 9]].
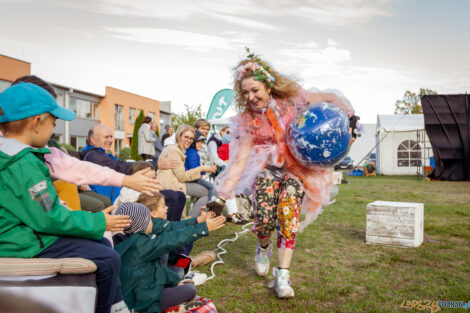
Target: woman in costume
[[260, 163]]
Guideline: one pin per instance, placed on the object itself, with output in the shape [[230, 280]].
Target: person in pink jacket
[[63, 166], [72, 170]]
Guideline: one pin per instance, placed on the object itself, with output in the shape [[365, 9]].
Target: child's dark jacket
[[142, 275]]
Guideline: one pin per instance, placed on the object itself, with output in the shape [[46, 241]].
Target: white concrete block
[[395, 223]]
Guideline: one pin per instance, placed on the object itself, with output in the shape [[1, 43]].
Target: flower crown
[[260, 72]]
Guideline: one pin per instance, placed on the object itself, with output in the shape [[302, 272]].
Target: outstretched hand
[[166, 164], [205, 215], [143, 182], [209, 168], [215, 223], [115, 222]]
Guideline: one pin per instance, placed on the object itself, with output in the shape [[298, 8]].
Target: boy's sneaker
[[282, 283], [197, 277], [119, 307], [262, 259]]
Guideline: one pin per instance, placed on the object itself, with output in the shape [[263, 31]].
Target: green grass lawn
[[334, 270]]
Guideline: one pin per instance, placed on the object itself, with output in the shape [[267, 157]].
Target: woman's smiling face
[[187, 138], [255, 93]]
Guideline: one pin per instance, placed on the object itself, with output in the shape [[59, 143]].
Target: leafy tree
[[135, 137], [67, 146], [125, 153], [190, 116], [411, 102]]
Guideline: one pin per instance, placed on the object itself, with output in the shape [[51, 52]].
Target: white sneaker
[[282, 283], [262, 259], [119, 307], [197, 277]]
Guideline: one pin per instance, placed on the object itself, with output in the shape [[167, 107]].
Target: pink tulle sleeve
[[240, 150], [332, 96]]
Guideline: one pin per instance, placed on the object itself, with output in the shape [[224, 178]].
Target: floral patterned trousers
[[277, 206]]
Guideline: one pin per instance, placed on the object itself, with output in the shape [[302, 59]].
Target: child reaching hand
[[148, 285], [130, 195]]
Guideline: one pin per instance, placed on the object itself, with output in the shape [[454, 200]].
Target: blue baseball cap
[[25, 100]]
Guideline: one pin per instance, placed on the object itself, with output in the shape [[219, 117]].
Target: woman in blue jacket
[[194, 160]]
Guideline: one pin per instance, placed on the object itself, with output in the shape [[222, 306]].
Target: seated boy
[[33, 223], [148, 285]]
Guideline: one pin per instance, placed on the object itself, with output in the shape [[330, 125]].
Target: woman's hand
[[85, 188], [140, 182], [215, 223], [205, 215], [166, 164], [209, 168], [115, 222]]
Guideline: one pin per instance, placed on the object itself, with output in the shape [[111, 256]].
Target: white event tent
[[402, 145]]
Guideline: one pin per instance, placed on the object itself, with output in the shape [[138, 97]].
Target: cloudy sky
[[184, 51]]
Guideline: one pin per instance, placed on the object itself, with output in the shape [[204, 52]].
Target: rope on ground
[[245, 229]]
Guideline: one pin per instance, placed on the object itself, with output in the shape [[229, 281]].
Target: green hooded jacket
[[31, 216], [142, 275]]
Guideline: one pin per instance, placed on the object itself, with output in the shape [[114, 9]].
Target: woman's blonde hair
[[183, 128], [283, 87]]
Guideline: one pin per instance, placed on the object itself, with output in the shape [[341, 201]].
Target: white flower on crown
[[291, 190]]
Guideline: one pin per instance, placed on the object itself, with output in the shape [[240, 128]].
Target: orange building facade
[[117, 109], [11, 69]]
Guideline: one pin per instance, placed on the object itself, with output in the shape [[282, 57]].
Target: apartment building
[[117, 108]]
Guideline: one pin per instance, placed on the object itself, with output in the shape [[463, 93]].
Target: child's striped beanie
[[139, 215]]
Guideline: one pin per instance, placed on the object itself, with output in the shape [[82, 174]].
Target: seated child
[[148, 285], [128, 194], [34, 223], [193, 159]]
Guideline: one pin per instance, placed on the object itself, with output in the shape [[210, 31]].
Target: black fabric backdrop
[[447, 123]]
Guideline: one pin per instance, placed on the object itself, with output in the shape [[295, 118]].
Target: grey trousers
[[199, 192], [93, 202], [177, 295]]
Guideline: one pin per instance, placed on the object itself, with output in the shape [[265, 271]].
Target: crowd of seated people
[[61, 204]]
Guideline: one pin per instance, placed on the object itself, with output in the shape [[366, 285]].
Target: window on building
[[61, 100], [131, 115], [83, 108], [152, 115], [117, 146], [96, 111], [118, 122], [409, 154], [78, 142]]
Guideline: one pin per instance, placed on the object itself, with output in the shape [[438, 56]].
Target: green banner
[[220, 103]]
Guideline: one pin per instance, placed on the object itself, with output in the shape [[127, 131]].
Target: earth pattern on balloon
[[319, 136]]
